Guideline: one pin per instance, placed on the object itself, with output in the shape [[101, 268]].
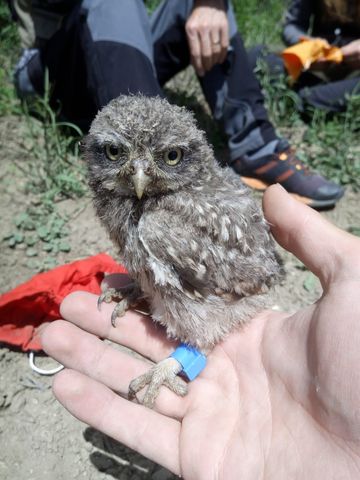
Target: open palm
[[278, 399]]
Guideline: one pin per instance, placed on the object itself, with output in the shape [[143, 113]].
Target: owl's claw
[[119, 310], [163, 373], [124, 300], [108, 296]]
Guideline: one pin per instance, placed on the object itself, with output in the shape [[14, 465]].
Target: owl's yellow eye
[[172, 157], [112, 152]]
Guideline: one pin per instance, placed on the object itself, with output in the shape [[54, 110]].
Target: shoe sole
[[257, 184]]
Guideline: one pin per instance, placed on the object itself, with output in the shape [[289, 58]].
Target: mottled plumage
[[195, 242]]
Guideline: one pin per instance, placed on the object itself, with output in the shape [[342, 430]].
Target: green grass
[[329, 143], [9, 50], [53, 170], [259, 21], [333, 144], [54, 173], [56, 170]]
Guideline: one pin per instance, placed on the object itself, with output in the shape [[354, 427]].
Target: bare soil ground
[[39, 439]]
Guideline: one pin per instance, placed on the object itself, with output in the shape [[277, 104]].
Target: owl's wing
[[224, 254]]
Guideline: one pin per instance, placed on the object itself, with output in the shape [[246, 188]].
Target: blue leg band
[[192, 361]]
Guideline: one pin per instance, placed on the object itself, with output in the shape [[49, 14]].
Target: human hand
[[278, 399], [321, 64], [351, 54], [207, 30]]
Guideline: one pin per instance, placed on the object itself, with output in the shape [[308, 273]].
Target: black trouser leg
[[332, 96], [104, 49]]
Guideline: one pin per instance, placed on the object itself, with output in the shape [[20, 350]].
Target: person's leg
[[171, 52], [235, 98], [256, 152], [239, 105], [102, 50], [332, 96]]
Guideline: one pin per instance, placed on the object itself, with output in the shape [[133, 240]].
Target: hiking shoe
[[285, 168]]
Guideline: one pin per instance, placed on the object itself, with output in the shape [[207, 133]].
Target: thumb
[[323, 248]]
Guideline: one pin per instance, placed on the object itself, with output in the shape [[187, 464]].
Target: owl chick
[[190, 235]]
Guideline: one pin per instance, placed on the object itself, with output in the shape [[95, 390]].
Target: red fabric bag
[[27, 307]]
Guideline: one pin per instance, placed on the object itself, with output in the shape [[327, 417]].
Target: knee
[[112, 14]]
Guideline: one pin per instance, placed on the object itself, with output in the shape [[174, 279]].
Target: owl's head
[[144, 146]]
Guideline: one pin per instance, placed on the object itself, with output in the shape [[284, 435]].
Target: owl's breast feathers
[[202, 245]]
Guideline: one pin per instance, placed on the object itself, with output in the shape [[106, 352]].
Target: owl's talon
[[108, 296], [119, 310], [100, 301], [177, 385], [164, 373], [113, 318]]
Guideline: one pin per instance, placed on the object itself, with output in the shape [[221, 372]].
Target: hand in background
[[207, 32], [320, 65], [351, 53], [278, 399]]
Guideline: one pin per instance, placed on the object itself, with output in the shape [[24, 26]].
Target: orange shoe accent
[[284, 176], [301, 199], [257, 184], [266, 167]]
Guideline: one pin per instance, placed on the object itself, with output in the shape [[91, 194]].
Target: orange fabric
[[27, 307], [301, 56]]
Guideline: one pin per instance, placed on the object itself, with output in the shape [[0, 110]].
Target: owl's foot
[[120, 310], [109, 295], [124, 298], [163, 373]]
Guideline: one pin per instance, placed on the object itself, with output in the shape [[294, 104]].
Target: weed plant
[[54, 173], [333, 144], [260, 21], [9, 50], [330, 143]]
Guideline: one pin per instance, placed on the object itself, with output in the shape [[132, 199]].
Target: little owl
[[189, 233]]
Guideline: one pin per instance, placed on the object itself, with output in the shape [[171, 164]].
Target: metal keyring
[[41, 371]]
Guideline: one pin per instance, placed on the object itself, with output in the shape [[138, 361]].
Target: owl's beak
[[140, 181]]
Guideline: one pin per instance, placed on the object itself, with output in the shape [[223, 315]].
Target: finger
[[321, 246], [133, 330], [123, 283], [149, 433], [82, 351], [224, 41], [346, 50], [206, 50], [195, 50], [216, 53], [215, 46]]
